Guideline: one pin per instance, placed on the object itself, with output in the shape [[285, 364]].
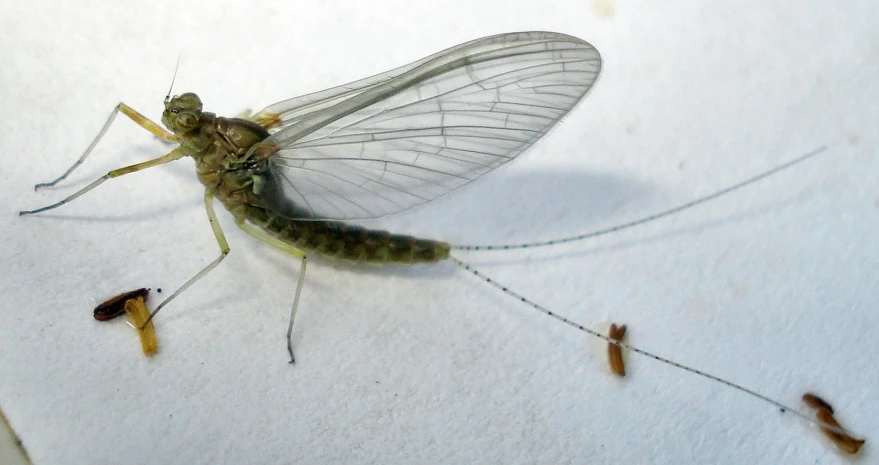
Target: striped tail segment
[[334, 239]]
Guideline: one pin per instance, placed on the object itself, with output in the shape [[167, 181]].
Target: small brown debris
[[132, 303], [615, 352], [139, 315], [843, 440], [115, 306], [816, 402]]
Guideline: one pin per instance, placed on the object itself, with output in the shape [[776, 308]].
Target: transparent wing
[[396, 140]]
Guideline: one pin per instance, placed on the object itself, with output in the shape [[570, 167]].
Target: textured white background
[[774, 287]]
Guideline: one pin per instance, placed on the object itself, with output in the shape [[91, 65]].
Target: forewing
[[388, 143]]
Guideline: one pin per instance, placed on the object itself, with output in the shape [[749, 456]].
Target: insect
[[291, 174]]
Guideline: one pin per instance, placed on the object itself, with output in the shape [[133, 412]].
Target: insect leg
[[290, 250], [299, 283], [175, 154], [224, 250], [135, 116]]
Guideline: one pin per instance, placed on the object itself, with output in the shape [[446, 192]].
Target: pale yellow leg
[[138, 118], [224, 251], [146, 123], [171, 156], [290, 250]]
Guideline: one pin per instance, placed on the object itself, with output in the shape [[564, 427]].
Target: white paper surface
[[773, 287]]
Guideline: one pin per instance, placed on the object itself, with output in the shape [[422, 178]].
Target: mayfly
[[291, 174]]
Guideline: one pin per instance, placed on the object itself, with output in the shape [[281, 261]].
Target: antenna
[[173, 78]]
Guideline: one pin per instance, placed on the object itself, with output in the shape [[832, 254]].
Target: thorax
[[220, 148]]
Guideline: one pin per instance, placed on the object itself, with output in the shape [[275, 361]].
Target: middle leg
[[224, 251], [289, 250]]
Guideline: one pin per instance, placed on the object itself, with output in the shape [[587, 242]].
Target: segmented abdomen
[[348, 242]]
